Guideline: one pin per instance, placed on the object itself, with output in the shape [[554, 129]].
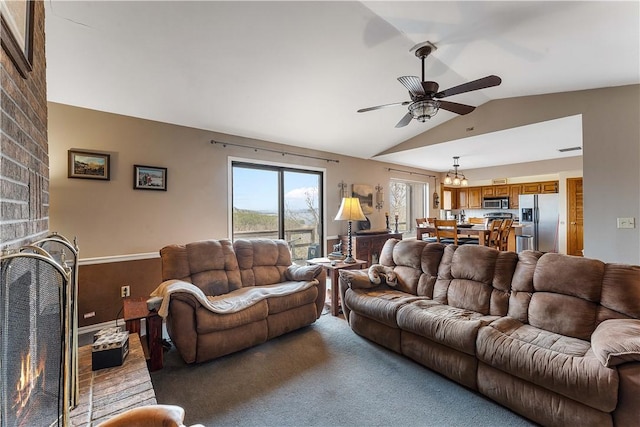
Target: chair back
[[446, 230], [421, 222], [505, 229], [492, 237], [476, 220]]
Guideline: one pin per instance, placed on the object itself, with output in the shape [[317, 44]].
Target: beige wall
[[111, 218], [611, 155]]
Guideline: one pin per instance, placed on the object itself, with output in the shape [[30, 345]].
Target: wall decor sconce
[[379, 197], [342, 192]]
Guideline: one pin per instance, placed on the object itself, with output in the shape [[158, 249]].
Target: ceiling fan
[[425, 98]]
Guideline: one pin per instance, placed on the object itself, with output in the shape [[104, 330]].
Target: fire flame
[[29, 375]]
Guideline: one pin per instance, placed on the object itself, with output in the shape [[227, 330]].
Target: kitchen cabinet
[[531, 188], [514, 193], [474, 197], [367, 247], [501, 191], [463, 198], [548, 187], [488, 191]]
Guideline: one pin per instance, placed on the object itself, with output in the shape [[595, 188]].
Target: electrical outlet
[[125, 291]]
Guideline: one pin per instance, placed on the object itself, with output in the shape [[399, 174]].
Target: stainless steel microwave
[[495, 203]]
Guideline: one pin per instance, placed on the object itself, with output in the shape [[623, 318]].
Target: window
[[409, 200], [278, 203]]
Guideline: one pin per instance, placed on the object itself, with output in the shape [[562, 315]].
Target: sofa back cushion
[[211, 265], [415, 263], [262, 261], [573, 295], [476, 278]]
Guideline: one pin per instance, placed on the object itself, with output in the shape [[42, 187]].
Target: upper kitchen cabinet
[[463, 198], [514, 194], [501, 190], [474, 197], [549, 187]]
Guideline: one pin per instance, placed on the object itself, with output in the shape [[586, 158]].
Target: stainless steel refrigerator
[[539, 214]]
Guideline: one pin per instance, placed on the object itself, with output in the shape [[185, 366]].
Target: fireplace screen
[[33, 337]]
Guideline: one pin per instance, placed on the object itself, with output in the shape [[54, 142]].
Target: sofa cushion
[[208, 321], [303, 272], [558, 363], [262, 261], [620, 292], [293, 300], [454, 327], [475, 278], [213, 266], [380, 304], [617, 341]]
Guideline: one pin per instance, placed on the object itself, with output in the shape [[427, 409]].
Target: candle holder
[[396, 223], [386, 216]]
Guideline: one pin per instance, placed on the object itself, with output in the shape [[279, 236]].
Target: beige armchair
[[149, 416]]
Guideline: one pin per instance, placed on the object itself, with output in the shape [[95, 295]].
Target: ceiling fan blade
[[454, 107], [405, 120], [378, 107], [482, 83], [413, 85]]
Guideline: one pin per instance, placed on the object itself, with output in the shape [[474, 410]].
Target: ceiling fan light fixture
[[424, 110]]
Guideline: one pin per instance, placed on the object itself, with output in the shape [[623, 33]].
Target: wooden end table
[[333, 271], [135, 309]]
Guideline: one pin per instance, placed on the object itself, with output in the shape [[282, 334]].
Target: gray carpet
[[321, 375]]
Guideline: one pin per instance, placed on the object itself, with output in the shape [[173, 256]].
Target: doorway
[[575, 217]]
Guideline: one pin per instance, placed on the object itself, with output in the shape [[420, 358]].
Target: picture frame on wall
[[89, 165], [149, 178], [364, 192], [16, 33]]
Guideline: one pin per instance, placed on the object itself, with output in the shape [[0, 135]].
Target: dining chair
[[505, 229], [423, 235], [492, 236], [446, 231]]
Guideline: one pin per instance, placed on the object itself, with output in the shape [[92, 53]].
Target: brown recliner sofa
[[220, 297], [555, 338]]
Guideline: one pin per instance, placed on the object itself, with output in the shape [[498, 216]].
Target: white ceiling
[[296, 72]]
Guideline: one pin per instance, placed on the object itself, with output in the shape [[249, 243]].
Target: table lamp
[[350, 210]]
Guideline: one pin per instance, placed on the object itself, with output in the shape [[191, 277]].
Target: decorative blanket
[[231, 302]]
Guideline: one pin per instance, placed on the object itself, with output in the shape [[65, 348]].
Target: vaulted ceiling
[[296, 72]]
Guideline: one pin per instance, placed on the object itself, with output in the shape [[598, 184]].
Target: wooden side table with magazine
[[333, 271]]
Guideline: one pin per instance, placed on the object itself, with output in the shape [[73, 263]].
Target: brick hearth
[[108, 392]]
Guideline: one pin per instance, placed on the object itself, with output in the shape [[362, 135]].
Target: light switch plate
[[626, 223]]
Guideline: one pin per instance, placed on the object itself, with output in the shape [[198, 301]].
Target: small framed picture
[[149, 178], [88, 165]]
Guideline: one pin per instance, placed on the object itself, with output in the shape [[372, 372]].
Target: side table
[[333, 271], [135, 309]]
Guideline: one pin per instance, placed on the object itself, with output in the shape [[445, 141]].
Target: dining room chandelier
[[456, 180]]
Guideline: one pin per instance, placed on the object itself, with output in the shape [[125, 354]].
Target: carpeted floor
[[321, 375]]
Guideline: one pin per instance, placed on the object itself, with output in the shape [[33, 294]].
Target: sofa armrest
[[303, 272], [356, 279], [617, 341], [187, 298]]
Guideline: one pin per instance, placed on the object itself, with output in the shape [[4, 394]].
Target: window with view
[[409, 200], [278, 203]]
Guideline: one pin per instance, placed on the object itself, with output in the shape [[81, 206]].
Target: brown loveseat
[[220, 297], [555, 338]]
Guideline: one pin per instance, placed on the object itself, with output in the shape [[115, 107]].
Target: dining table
[[471, 231], [474, 231]]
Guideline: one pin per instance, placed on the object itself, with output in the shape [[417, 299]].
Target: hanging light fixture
[[424, 110], [456, 180]]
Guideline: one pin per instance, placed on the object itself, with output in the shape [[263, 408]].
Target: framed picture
[[88, 165], [149, 178], [364, 193], [16, 33]]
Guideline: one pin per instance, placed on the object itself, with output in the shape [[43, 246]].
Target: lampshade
[[350, 210]]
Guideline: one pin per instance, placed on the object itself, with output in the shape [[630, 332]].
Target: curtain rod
[[411, 173], [284, 153]]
